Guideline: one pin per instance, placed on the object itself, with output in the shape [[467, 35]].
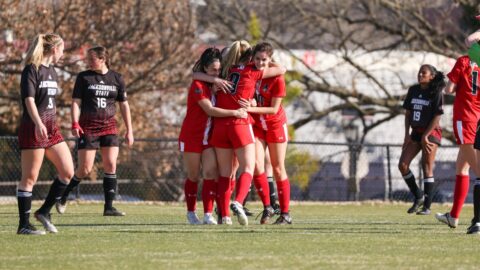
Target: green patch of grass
[[323, 236]]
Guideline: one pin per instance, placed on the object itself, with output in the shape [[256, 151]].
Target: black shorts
[[95, 142], [434, 137]]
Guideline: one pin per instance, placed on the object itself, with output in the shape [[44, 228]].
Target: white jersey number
[[101, 103], [416, 115]]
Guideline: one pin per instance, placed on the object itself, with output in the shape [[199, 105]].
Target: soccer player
[[423, 106], [270, 129], [198, 154], [466, 113], [234, 136], [39, 135], [93, 122]]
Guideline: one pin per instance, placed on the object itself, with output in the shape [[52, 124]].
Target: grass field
[[323, 236]]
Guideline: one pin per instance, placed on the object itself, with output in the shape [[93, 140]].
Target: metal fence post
[[389, 176]]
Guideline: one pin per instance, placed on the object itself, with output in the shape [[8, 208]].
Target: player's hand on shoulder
[[222, 85]]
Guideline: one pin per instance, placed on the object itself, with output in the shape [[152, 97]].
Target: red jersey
[[244, 79], [270, 88], [464, 74], [197, 124]]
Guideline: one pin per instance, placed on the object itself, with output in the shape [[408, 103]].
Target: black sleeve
[[28, 82], [79, 87], [122, 92], [407, 103]]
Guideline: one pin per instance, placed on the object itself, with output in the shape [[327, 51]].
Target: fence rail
[[152, 170]]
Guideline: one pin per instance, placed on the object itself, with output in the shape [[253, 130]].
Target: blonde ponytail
[[233, 56], [41, 46]]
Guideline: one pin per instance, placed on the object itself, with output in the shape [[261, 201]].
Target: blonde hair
[[235, 52], [41, 46]]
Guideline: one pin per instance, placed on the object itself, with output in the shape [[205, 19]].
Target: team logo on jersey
[[49, 77], [198, 91], [101, 81], [420, 96]]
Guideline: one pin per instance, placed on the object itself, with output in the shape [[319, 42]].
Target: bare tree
[[349, 28], [147, 41]]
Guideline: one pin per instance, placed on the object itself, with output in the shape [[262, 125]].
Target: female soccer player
[[270, 129], [233, 136], [466, 113], [198, 154], [93, 122], [39, 135], [423, 106]]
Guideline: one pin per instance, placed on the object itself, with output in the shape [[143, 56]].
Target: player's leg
[[428, 160], [60, 156], [209, 187], [271, 184], [31, 162], [109, 161], [261, 182], [225, 164], [191, 161], [277, 156], [408, 154]]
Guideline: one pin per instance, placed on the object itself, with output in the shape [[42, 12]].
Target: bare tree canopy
[[348, 29], [148, 42]]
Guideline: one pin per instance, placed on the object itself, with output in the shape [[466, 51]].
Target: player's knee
[[193, 176], [110, 167], [403, 167], [210, 172], [83, 172], [278, 171]]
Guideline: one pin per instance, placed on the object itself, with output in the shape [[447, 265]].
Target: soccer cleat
[[447, 219], [283, 219], [267, 213], [237, 208], [46, 221], [61, 206], [424, 212], [113, 212], [30, 230], [226, 221], [192, 218], [474, 228], [208, 219], [416, 204]]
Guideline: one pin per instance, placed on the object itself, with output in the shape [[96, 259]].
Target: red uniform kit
[[42, 85], [98, 93], [466, 107], [424, 106], [197, 125], [271, 128], [232, 132]]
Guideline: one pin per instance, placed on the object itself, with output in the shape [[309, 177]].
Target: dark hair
[[263, 47], [208, 56], [438, 82], [102, 53]]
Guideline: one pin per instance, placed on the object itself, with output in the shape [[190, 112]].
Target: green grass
[[364, 236]]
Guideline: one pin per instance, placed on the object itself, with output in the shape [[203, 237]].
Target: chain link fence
[[152, 170]]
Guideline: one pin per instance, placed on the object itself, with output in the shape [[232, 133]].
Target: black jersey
[[98, 93], [40, 84], [424, 106]]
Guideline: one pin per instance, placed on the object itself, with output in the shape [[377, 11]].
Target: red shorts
[[232, 136], [277, 135], [464, 131], [28, 140], [192, 145]]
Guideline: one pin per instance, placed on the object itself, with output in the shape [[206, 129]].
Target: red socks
[[261, 184], [191, 189], [283, 188], [224, 192], [209, 191], [461, 191], [243, 185]]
